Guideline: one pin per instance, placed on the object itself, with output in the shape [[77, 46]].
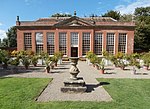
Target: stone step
[[73, 89], [74, 83]]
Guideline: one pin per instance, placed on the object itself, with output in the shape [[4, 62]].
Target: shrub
[[34, 60]]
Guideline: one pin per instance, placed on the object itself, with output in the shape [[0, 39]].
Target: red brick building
[[75, 36]]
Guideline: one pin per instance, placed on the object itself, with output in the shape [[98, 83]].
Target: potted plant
[[14, 63], [26, 61], [134, 62], [93, 60], [55, 60], [34, 60], [122, 64], [146, 60], [52, 65], [47, 64], [101, 65], [59, 55], [89, 55], [114, 60]]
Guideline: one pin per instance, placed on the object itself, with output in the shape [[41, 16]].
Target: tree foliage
[[142, 31], [126, 18], [4, 42], [61, 15], [114, 14], [12, 37]]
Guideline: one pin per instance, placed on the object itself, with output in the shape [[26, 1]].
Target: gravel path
[[95, 92]]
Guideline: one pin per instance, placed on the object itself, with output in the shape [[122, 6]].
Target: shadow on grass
[[90, 87], [104, 83], [5, 77]]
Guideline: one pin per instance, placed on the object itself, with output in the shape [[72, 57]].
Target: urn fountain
[[74, 84]]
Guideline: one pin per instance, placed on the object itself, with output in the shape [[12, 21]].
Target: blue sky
[[34, 9]]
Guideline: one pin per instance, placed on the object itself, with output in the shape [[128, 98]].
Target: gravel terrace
[[95, 91]]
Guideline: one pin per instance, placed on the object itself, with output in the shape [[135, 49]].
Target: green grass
[[19, 93]]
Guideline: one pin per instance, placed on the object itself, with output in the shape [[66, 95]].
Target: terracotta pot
[[101, 71], [26, 66], [97, 67], [47, 69], [55, 64], [52, 66], [93, 65], [122, 68], [34, 65]]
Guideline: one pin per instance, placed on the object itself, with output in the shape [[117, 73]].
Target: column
[[68, 44], [104, 41], [20, 40], [116, 42], [130, 42], [56, 43], [92, 41], [80, 44], [33, 42], [45, 42]]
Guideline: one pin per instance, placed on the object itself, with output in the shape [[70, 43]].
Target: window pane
[[50, 43], [85, 43], [122, 43], [39, 38], [110, 43], [98, 44], [27, 41], [62, 43], [39, 42], [74, 39]]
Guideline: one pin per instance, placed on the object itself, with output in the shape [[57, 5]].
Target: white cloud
[[129, 9], [99, 2], [2, 34]]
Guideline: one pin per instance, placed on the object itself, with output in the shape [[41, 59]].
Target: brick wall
[[130, 38]]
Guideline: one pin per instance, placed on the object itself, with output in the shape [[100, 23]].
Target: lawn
[[19, 93]]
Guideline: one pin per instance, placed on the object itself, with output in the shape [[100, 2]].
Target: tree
[[93, 15], [142, 31], [114, 14], [61, 15], [126, 18], [12, 37], [4, 43]]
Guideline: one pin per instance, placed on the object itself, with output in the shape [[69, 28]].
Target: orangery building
[[74, 36]]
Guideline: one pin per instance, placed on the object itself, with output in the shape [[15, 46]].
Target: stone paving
[[95, 91]]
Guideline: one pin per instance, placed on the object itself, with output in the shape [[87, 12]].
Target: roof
[[74, 21]]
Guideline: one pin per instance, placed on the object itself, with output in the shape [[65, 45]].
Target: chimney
[[17, 21]]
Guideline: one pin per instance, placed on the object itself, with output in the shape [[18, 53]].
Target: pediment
[[74, 21]]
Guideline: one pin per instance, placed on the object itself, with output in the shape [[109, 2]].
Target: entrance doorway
[[74, 51]]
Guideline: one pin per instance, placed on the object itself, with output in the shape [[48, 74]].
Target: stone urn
[[73, 69], [74, 84]]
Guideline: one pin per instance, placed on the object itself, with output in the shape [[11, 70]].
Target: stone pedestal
[[74, 84]]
